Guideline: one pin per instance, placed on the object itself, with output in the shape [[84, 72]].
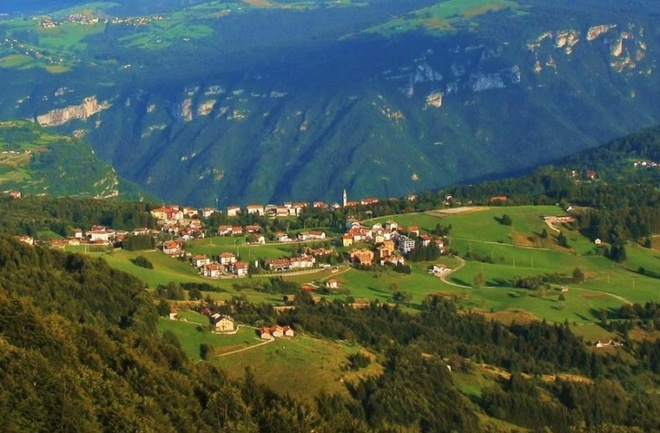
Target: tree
[[544, 234], [506, 220], [578, 275], [562, 241]]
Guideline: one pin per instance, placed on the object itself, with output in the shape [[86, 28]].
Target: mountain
[[36, 161], [266, 101]]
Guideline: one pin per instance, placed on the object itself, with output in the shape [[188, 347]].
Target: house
[[384, 250], [261, 240], [347, 240], [225, 325], [227, 259], [395, 259], [78, 233], [212, 270], [282, 237], [413, 230], [225, 230], [498, 199], [233, 210], [100, 234], [236, 230], [411, 197], [172, 248], [207, 212], [369, 201], [142, 231], [167, 213], [302, 262], [200, 260], [311, 235], [255, 209], [363, 256], [319, 205], [174, 314], [439, 269], [252, 229], [278, 265], [190, 212], [269, 333], [331, 284], [426, 240], [15, 194], [405, 244], [391, 225], [282, 211], [240, 269]]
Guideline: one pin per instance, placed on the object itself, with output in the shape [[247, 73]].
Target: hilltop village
[[313, 247]]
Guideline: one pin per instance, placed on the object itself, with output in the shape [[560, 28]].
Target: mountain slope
[[36, 161], [301, 100]]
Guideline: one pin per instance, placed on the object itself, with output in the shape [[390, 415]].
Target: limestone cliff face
[[86, 109], [89, 107]]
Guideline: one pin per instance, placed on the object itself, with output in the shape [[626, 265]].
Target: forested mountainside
[[80, 353], [269, 101]]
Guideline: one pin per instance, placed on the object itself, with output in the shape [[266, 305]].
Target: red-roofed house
[[172, 248], [212, 270], [227, 259]]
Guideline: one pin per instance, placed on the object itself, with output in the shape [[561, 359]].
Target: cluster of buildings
[[98, 235], [646, 164], [227, 264], [391, 242], [275, 331], [184, 222], [290, 264]]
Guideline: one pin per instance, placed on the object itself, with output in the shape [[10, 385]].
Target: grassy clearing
[[192, 335], [299, 366]]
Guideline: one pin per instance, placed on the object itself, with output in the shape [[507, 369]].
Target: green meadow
[[299, 366], [192, 335], [499, 253], [450, 15]]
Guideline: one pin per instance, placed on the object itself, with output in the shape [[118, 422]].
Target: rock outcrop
[[89, 107]]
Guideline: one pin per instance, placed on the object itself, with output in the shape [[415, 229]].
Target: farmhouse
[[439, 269], [331, 284], [100, 234], [224, 324]]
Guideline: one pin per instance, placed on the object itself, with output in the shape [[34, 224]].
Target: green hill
[[39, 162]]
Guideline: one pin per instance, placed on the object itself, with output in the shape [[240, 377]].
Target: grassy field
[[300, 366], [191, 335], [501, 252], [446, 16]]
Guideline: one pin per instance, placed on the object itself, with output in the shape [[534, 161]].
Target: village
[[362, 245]]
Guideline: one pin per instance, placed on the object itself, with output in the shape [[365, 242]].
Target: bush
[[142, 262]]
